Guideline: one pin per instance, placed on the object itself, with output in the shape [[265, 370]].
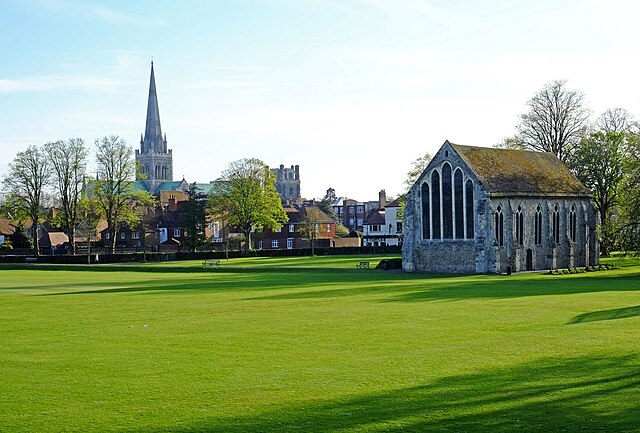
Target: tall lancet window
[[519, 226], [556, 225], [469, 208], [538, 226], [458, 197], [572, 223], [426, 212], [499, 225], [435, 205], [447, 203]]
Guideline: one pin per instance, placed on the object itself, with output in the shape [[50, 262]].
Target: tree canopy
[[247, 195]]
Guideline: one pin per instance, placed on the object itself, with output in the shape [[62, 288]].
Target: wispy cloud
[[49, 83], [247, 87], [103, 13]]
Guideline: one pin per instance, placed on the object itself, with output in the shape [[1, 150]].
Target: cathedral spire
[[153, 132]]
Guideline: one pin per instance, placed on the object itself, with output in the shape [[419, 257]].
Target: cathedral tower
[[155, 161]]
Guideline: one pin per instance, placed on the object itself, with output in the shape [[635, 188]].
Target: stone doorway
[[529, 260]]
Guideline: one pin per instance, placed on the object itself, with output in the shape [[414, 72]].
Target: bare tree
[[616, 120], [114, 182], [27, 177], [312, 219], [69, 163], [417, 167], [556, 121]]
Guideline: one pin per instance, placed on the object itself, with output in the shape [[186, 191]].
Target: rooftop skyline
[[351, 91]]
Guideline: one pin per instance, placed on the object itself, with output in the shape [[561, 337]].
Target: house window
[[360, 221], [275, 243], [519, 226], [398, 227], [458, 203], [375, 227], [426, 212], [538, 227], [435, 204], [351, 209], [556, 225], [278, 229], [135, 235], [499, 223], [328, 228], [572, 223], [176, 233], [259, 245], [292, 228], [447, 203], [122, 235], [360, 209], [469, 208], [351, 222], [289, 243]]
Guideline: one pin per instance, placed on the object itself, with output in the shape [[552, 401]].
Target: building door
[[529, 260]]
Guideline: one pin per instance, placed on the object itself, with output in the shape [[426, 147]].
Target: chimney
[[172, 204], [382, 198]]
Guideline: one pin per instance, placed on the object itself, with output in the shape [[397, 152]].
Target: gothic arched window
[[519, 226], [458, 199], [538, 227], [556, 225], [499, 223], [435, 204], [469, 208], [426, 213], [447, 203], [572, 223]]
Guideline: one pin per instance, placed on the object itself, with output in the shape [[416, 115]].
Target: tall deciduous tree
[[598, 163], [69, 168], [556, 121], [247, 193], [26, 180], [194, 217], [114, 182], [142, 206]]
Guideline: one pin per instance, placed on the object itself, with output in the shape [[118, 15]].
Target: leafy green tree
[[20, 239], [69, 163], [114, 183], [629, 218], [26, 180], [247, 193], [417, 167], [598, 163], [556, 121], [194, 217]]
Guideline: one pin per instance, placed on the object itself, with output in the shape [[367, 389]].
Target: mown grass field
[[311, 344]]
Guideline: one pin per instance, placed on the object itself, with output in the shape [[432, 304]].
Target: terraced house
[[487, 210]]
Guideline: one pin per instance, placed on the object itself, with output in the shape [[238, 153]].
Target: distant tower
[[287, 181], [154, 159]]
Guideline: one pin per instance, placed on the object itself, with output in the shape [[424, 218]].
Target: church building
[[154, 160], [487, 210]]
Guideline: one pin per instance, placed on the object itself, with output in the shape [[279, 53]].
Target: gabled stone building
[[487, 210]]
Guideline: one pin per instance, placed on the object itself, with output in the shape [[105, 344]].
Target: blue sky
[[352, 91]]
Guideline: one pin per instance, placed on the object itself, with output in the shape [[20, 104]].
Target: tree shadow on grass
[[549, 395], [617, 313]]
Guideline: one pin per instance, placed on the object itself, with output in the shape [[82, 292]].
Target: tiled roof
[[375, 217], [394, 203], [520, 171]]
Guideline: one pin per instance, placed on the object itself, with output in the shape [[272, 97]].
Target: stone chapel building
[[488, 210]]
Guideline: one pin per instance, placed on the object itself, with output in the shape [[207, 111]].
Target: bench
[[362, 265], [210, 263]]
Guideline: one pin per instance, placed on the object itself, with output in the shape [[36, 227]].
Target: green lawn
[[311, 344]]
